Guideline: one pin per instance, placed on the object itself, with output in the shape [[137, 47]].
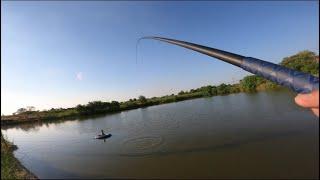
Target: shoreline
[[7, 123], [16, 121], [29, 174], [11, 167]]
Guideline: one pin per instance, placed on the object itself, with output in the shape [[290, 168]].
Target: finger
[[308, 100], [315, 111]]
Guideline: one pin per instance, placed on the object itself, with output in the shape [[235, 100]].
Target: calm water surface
[[261, 135]]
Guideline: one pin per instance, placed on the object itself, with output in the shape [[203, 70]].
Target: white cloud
[[79, 76]]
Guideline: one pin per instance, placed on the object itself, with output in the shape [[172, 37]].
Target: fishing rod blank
[[299, 82]]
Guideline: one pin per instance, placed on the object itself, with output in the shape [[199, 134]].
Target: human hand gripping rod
[[299, 82]]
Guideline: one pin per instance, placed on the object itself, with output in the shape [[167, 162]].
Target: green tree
[[142, 99], [305, 61], [81, 109], [181, 93], [235, 88], [206, 91], [223, 89], [21, 110], [214, 90], [250, 83]]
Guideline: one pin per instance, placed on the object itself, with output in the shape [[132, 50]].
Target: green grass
[[10, 166]]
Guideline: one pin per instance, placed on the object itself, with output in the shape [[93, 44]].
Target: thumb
[[308, 100]]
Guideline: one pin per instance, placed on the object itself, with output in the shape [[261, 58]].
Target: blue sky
[[60, 54]]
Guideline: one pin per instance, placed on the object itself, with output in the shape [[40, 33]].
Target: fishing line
[[137, 46]]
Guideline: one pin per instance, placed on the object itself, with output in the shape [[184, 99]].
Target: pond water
[[260, 135]]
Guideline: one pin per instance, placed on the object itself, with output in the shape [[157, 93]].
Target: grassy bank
[[304, 61], [11, 168]]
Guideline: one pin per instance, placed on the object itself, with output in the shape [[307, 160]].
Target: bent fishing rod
[[299, 82]]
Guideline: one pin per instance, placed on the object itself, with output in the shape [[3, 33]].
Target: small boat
[[104, 136]]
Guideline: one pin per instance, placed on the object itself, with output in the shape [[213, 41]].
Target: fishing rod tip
[[147, 37]]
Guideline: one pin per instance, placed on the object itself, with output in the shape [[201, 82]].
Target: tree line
[[305, 61]]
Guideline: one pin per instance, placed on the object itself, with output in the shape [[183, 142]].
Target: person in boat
[[102, 133]]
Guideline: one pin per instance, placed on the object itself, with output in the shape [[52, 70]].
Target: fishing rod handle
[[299, 82]]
